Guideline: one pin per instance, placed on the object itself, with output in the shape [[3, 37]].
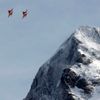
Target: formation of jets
[[24, 13]]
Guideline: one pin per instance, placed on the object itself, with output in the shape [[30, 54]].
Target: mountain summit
[[73, 73]]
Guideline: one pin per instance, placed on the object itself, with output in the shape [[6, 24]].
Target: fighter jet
[[10, 12], [24, 13]]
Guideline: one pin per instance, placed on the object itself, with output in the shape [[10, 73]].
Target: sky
[[25, 44]]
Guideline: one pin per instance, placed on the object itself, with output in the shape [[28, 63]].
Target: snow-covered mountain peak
[[86, 36], [84, 33], [73, 72]]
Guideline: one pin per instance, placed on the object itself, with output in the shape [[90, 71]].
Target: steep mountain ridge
[[73, 73]]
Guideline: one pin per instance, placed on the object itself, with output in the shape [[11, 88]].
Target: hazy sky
[[25, 44]]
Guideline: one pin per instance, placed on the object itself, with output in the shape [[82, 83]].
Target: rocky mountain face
[[73, 73]]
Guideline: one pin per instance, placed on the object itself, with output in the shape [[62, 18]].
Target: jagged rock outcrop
[[73, 73]]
